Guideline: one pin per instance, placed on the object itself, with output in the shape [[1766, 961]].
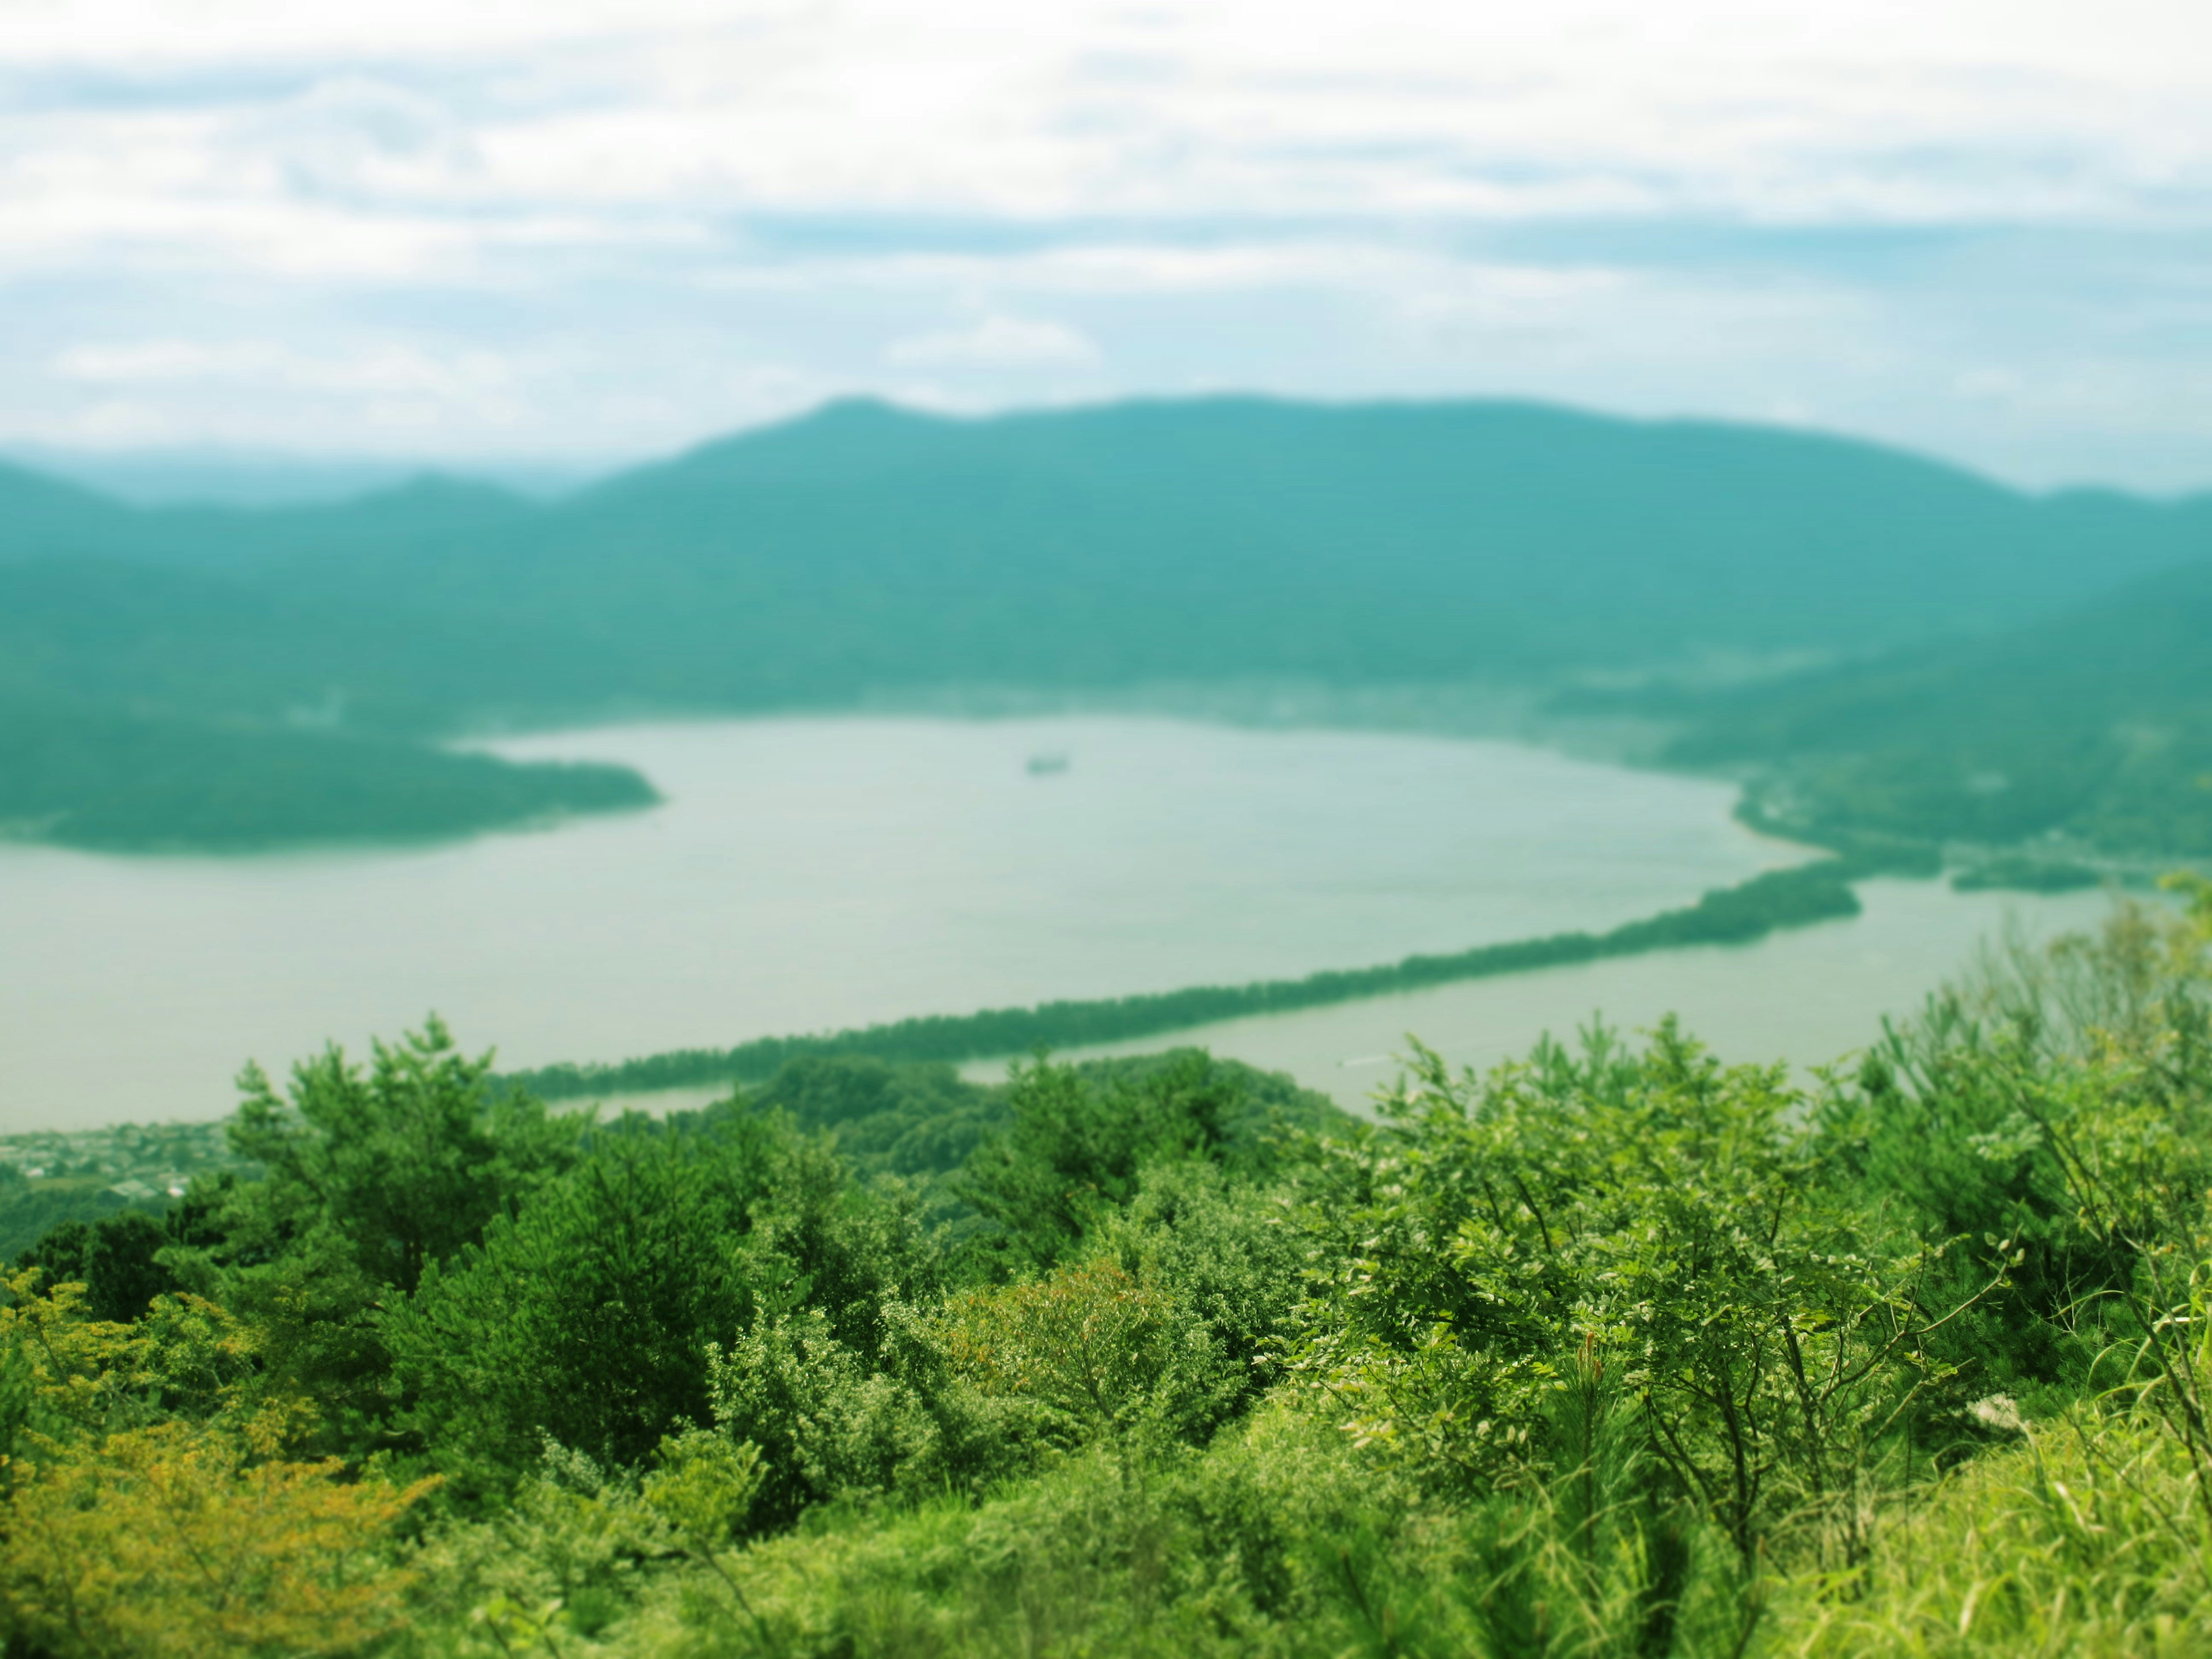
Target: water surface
[[1810, 996], [811, 874]]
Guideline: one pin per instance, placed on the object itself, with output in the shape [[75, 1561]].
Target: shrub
[[185, 1539], [586, 1316], [1659, 1212], [1095, 1350]]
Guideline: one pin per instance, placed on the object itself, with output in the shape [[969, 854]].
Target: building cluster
[[138, 1162]]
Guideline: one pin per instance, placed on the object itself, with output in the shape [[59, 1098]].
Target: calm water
[[1808, 997], [812, 874]]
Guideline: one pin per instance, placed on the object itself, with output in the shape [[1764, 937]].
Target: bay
[[807, 874]]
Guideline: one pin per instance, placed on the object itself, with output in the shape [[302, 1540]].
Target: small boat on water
[[1045, 765]]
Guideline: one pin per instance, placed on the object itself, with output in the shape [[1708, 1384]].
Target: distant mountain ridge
[[865, 545], [866, 549], [42, 517], [221, 475]]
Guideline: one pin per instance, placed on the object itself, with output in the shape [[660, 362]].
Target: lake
[[1808, 996], [807, 874]]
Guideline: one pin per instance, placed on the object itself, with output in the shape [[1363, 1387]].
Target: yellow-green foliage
[[1091, 1344], [67, 1373], [151, 1508], [188, 1539]]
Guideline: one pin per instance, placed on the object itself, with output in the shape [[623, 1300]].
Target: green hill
[[142, 708], [95, 776], [42, 517], [865, 546], [867, 550], [2094, 727], [209, 644]]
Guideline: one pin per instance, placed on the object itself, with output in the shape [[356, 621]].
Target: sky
[[577, 232]]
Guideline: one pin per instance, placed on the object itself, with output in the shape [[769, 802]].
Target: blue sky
[[586, 231]]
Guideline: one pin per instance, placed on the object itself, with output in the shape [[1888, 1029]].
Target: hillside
[[195, 642], [864, 549], [2094, 727], [865, 545], [1619, 1350], [98, 777], [42, 518], [145, 707], [45, 517]]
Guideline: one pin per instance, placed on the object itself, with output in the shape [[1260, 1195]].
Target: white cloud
[[396, 368], [621, 223], [152, 360], [998, 342], [1855, 110]]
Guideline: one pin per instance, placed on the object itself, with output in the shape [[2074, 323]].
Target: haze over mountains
[[209, 474], [869, 549]]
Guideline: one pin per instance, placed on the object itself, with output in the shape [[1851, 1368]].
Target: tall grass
[[2086, 1537]]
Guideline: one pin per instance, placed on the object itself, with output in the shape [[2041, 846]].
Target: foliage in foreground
[[1616, 1352]]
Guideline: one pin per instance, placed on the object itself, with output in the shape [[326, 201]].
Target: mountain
[[216, 475], [162, 638], [44, 517], [152, 694], [867, 548], [2092, 726], [869, 545]]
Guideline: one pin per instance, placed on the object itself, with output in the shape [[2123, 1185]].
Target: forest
[[1618, 1349]]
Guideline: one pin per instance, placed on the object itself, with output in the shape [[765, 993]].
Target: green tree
[[113, 1258], [407, 1161], [909, 1119], [1077, 1145], [369, 1177], [588, 1315]]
